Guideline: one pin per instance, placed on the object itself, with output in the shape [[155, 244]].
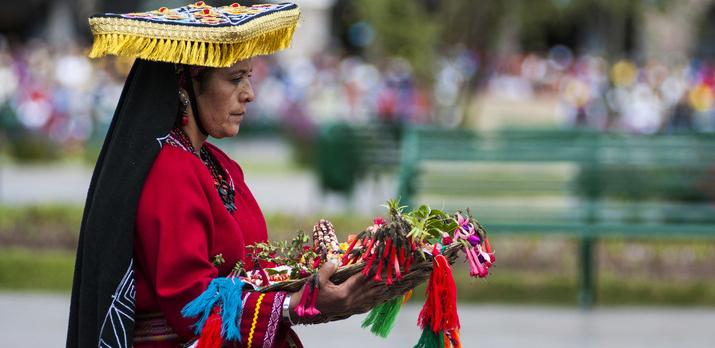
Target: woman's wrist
[[286, 310], [289, 304]]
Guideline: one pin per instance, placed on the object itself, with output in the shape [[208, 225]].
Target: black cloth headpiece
[[102, 305]]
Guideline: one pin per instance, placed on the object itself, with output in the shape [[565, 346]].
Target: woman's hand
[[356, 295]]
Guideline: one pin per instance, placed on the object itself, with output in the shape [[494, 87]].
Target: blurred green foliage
[[404, 29], [25, 269], [417, 30], [33, 148], [53, 226]]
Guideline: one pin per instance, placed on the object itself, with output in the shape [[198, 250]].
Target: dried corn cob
[[324, 238]]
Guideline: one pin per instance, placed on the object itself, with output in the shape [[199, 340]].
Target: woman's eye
[[240, 78]]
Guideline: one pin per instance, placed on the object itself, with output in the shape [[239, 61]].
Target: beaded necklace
[[226, 189]]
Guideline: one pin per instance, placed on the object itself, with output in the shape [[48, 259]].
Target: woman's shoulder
[[171, 156], [172, 165]]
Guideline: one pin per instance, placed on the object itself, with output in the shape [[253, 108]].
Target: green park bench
[[346, 152], [581, 184]]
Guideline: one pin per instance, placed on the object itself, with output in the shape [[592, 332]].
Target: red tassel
[[378, 274], [390, 266], [211, 333], [450, 318], [300, 309], [368, 250], [346, 257], [387, 248], [366, 271], [382, 260], [398, 275], [312, 310], [439, 312]]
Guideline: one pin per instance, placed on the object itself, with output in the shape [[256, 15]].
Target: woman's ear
[[185, 107]]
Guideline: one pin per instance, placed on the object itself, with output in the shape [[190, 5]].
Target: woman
[[167, 212]]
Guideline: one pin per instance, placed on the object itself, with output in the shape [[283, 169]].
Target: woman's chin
[[234, 130], [227, 132]]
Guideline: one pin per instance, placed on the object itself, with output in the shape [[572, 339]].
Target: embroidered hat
[[197, 34]]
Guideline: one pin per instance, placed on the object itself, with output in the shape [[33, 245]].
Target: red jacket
[[181, 225]]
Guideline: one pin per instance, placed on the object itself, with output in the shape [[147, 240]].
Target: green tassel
[[430, 339], [382, 318]]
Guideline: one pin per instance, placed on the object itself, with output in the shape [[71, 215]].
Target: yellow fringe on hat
[[211, 47], [190, 52]]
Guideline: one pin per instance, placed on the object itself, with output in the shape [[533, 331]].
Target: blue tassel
[[221, 291], [202, 306], [231, 294]]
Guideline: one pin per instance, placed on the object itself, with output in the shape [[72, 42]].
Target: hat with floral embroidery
[[197, 34]]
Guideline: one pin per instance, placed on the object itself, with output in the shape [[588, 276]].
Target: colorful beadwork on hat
[[196, 34]]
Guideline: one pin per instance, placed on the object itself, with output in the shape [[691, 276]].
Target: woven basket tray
[[419, 272]]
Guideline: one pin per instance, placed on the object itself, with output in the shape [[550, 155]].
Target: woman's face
[[222, 96]]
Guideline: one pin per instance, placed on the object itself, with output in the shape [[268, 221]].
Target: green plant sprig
[[429, 224]]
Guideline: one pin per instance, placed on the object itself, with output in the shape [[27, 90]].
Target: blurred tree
[[403, 28]]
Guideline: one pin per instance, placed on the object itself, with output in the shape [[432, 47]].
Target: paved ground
[[39, 320]]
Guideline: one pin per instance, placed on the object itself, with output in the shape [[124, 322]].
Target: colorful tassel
[[381, 319], [202, 306], [300, 309], [368, 250], [398, 275], [452, 339], [231, 310], [348, 252], [211, 334], [366, 270], [223, 296], [407, 296], [430, 339], [439, 313], [378, 274], [312, 310]]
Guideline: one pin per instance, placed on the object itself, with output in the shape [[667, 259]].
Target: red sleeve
[[174, 227], [261, 320]]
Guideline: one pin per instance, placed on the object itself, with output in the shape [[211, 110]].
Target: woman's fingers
[[358, 294], [355, 282], [327, 271], [362, 293]]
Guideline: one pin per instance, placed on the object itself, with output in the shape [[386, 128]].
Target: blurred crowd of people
[[622, 95], [55, 91]]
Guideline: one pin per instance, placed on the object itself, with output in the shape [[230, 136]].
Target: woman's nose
[[247, 95]]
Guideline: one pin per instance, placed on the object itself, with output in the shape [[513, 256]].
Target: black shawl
[[102, 308]]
